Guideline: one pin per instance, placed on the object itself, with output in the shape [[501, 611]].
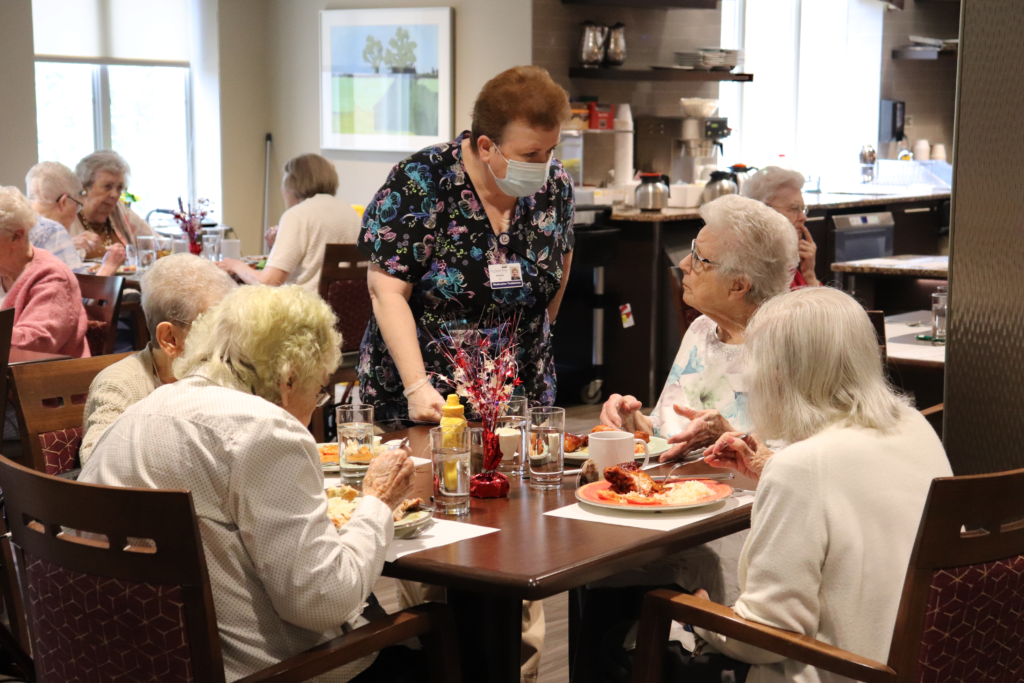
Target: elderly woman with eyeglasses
[[53, 189], [103, 219], [782, 190], [232, 430], [744, 255]]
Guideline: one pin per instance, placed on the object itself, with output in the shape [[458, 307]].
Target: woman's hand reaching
[[746, 455], [704, 429], [425, 404]]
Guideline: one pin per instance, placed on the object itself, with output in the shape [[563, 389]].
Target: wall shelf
[[656, 75], [927, 55], [649, 4]]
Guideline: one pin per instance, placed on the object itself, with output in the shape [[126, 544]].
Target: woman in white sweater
[[837, 511]]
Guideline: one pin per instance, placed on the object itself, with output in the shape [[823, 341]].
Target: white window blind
[[135, 30]]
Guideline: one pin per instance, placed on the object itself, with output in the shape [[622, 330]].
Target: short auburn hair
[[310, 174], [522, 93]]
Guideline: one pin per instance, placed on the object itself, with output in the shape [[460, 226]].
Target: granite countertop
[[812, 200], [906, 266]]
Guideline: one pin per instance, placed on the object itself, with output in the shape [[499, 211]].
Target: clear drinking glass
[[511, 431], [131, 256], [546, 447], [147, 251], [516, 405], [355, 433], [940, 307], [211, 246], [450, 451], [164, 246]]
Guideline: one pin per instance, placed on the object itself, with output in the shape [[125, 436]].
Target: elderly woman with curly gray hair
[[103, 220], [232, 430]]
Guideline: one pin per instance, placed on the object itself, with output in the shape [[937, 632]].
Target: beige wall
[[490, 36], [18, 143]]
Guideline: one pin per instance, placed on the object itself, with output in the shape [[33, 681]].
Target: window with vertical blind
[[105, 79]]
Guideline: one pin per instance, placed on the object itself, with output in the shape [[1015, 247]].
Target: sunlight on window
[[148, 127], [64, 111]]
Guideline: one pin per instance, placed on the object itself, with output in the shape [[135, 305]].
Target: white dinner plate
[[655, 447]]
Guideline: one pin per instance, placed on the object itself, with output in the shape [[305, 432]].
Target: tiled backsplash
[[927, 86], [652, 35]]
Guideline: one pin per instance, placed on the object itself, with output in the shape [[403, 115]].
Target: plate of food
[[577, 449], [411, 519], [627, 487], [121, 270]]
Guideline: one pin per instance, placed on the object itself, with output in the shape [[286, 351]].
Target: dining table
[[534, 556]]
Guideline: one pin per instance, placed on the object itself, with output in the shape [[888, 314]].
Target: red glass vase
[[490, 483]]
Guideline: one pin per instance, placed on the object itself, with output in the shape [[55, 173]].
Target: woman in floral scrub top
[[443, 219]]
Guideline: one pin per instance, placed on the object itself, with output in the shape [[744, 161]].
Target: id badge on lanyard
[[505, 275]]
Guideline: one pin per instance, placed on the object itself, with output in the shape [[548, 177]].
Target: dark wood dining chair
[[877, 319], [959, 616], [101, 297], [685, 314], [131, 600], [49, 399], [343, 287], [6, 330]]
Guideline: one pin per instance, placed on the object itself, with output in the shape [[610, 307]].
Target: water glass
[[450, 451], [231, 249], [131, 256], [546, 447], [211, 246], [511, 431], [940, 307], [516, 405], [164, 246], [355, 433], [476, 450], [147, 251]]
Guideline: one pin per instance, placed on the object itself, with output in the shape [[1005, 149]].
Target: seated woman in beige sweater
[[175, 291]]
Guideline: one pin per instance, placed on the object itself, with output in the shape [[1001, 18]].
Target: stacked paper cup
[[623, 146]]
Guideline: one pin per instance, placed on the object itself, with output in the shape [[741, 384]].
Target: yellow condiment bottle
[[453, 424]]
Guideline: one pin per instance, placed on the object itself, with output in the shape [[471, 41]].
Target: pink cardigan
[[48, 312]]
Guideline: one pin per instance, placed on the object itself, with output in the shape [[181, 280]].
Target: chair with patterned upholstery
[[101, 297], [129, 598], [49, 399], [960, 618], [343, 287]]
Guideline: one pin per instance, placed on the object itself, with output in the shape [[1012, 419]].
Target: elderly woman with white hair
[[743, 256], [103, 219], [175, 291], [838, 509], [782, 189], [53, 190], [232, 430], [48, 312]]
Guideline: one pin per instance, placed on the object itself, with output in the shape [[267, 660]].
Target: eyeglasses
[[694, 256], [795, 208], [323, 398], [69, 197]]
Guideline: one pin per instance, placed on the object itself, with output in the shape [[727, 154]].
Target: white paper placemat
[[444, 532], [655, 521]]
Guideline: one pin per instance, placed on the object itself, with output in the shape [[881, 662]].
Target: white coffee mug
[[608, 449]]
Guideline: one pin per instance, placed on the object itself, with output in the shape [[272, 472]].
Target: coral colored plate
[[588, 494]]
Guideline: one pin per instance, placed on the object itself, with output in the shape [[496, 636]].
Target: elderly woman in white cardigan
[[838, 509], [233, 431], [176, 290]]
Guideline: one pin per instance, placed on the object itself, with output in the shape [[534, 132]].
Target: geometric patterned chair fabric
[[96, 337], [350, 301], [101, 298], [961, 614], [60, 449], [117, 589], [49, 399]]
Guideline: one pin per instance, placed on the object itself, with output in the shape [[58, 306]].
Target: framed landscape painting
[[385, 78]]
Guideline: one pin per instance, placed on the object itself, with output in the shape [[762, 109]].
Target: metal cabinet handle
[[921, 209], [816, 218]]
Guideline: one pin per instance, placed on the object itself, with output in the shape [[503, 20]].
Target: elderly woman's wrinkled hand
[[704, 429], [389, 477], [115, 255], [746, 455], [807, 250], [623, 412], [86, 241]]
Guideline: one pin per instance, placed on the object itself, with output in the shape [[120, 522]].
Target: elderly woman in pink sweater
[[48, 312]]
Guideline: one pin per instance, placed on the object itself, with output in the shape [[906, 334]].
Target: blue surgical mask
[[522, 178]]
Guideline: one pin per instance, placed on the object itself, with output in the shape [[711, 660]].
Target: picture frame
[[386, 78]]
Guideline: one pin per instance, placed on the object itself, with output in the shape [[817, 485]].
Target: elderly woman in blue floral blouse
[[475, 230]]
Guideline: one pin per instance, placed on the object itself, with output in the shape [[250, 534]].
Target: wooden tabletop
[[909, 265], [535, 556], [21, 357]]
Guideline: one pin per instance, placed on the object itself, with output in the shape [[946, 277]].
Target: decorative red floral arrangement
[[191, 223]]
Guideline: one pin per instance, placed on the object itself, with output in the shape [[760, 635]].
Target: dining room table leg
[[490, 635]]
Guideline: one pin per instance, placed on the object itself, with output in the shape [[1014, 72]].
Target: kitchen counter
[[910, 265], [812, 200]]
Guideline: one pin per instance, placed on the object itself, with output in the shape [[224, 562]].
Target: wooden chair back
[[685, 314], [101, 297], [877, 319], [14, 637], [49, 399], [130, 599], [959, 617], [343, 287], [6, 330]]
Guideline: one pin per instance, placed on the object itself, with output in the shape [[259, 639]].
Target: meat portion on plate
[[626, 480]]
